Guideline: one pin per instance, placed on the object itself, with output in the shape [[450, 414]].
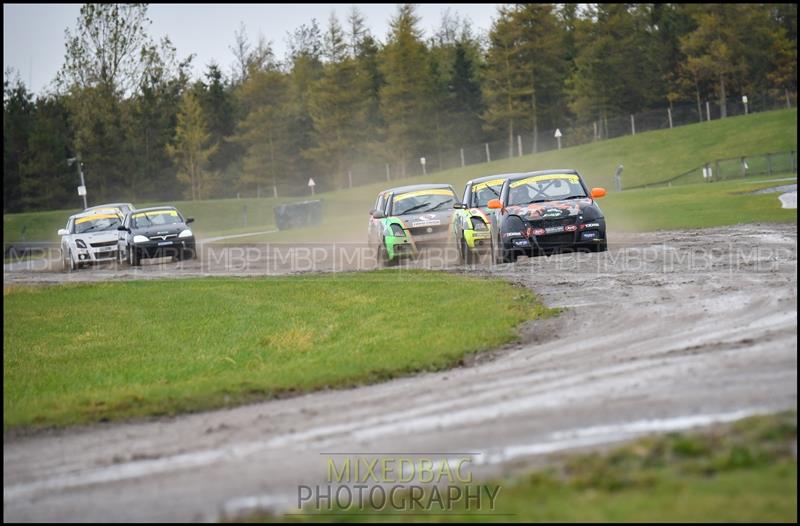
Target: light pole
[[82, 187]]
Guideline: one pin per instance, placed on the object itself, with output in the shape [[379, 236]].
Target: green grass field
[[742, 472], [93, 352], [647, 157]]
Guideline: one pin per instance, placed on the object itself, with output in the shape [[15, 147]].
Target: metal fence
[[570, 135], [768, 164]]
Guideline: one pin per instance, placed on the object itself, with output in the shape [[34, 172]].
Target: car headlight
[[79, 243], [140, 239], [185, 233], [479, 224]]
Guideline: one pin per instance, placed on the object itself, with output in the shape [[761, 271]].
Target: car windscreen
[[484, 192], [541, 188], [155, 218], [97, 223], [423, 201]]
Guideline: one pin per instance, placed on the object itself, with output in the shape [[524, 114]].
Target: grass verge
[[741, 472], [696, 206], [95, 352]]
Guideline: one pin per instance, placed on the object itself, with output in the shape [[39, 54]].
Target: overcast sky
[[33, 35]]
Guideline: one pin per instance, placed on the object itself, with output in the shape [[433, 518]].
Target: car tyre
[[133, 257], [69, 263], [383, 256], [600, 247], [467, 255]]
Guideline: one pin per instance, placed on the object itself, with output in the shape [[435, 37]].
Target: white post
[[423, 163], [388, 172], [708, 111], [519, 145], [633, 125], [349, 179], [488, 155], [595, 130], [462, 158], [744, 101], [788, 100], [275, 191], [557, 135], [669, 114]]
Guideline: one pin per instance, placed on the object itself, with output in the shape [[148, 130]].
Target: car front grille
[[162, 238], [105, 244], [423, 230], [557, 239], [550, 223]]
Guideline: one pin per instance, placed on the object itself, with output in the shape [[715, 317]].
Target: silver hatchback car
[[90, 237]]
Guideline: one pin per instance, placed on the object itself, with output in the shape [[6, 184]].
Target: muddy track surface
[[665, 331]]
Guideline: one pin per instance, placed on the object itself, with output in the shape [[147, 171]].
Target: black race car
[[546, 212], [155, 232]]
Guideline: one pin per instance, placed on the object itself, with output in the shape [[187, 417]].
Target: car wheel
[[467, 256], [133, 257], [69, 263], [383, 256], [600, 247]]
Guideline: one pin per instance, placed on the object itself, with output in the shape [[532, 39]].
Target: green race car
[[408, 219]]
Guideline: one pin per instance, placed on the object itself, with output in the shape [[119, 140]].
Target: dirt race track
[[667, 330]]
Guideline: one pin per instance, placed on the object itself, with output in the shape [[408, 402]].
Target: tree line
[[343, 100]]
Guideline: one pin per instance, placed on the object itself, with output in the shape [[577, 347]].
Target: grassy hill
[[647, 157]]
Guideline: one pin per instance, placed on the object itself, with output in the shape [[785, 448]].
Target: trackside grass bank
[[86, 353], [696, 206], [742, 472], [647, 157]]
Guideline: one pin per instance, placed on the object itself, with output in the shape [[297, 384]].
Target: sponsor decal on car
[[492, 183], [553, 212], [426, 220], [570, 228], [156, 213], [537, 178], [435, 191], [94, 217]]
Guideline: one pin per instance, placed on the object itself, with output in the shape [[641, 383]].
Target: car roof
[[411, 188], [516, 177], [108, 205], [495, 176]]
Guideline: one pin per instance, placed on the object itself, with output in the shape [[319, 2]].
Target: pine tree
[[405, 97], [191, 150], [338, 108]]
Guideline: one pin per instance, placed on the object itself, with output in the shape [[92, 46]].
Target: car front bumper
[[159, 249]]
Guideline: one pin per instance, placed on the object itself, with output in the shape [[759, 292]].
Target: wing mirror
[[377, 214], [122, 229], [460, 206], [494, 204], [63, 231], [597, 193], [189, 220]]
